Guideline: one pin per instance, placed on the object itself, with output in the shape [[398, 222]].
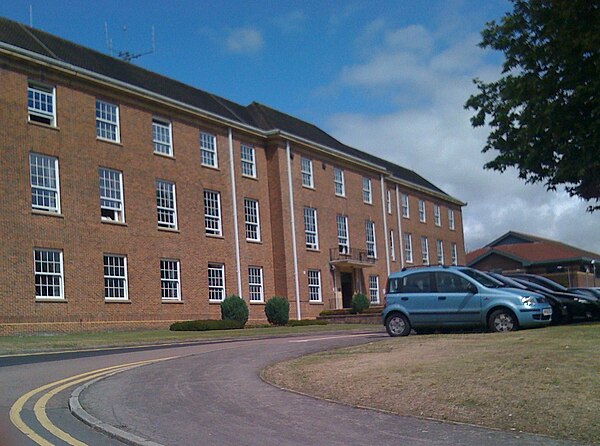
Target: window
[[115, 277], [310, 228], [425, 250], [252, 219], [422, 214], [48, 267], [216, 282], [370, 237], [342, 233], [388, 201], [451, 219], [367, 198], [161, 137], [43, 177], [248, 155], [405, 208], [451, 283], [374, 289], [437, 215], [412, 283], [170, 287], [208, 150], [255, 284], [453, 254], [212, 212], [307, 172], [314, 285], [408, 256], [40, 104], [111, 195], [166, 204], [107, 121], [392, 248], [440, 252], [338, 182]]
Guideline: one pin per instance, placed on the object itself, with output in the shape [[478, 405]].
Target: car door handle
[[405, 298], [442, 298]]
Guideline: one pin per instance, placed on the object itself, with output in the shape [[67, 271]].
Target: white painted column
[[385, 231], [400, 234], [293, 223], [236, 231]]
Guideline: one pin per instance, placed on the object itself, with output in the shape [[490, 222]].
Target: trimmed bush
[[360, 303], [234, 308], [277, 310], [334, 312], [205, 325], [305, 322]]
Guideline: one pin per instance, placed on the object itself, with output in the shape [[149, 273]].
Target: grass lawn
[[544, 381], [76, 341]]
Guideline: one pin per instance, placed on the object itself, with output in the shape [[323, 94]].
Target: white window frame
[[374, 288], [342, 234], [216, 282], [437, 215], [252, 219], [422, 211], [454, 254], [439, 245], [306, 170], [170, 279], [314, 285], [405, 206], [392, 246], [370, 239], [425, 250], [339, 185], [49, 271], [212, 213], [112, 280], [408, 250], [111, 185], [388, 201], [311, 229], [367, 191], [208, 150], [165, 192], [248, 160], [43, 170], [105, 126], [255, 284], [451, 223], [162, 137], [38, 103]]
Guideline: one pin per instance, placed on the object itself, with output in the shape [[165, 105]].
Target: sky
[[387, 77]]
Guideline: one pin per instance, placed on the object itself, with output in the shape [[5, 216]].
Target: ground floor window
[[314, 285], [255, 284], [48, 267], [115, 277], [374, 289], [170, 287], [216, 282]]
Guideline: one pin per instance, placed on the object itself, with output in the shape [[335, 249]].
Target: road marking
[[40, 405], [333, 337]]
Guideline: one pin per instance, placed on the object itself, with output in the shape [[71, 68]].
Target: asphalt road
[[211, 394]]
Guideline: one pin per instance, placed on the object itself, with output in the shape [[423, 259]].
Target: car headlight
[[528, 300]]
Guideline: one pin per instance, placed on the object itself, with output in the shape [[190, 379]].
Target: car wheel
[[397, 325], [501, 321]]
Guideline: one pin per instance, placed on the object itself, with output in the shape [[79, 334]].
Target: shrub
[[305, 322], [277, 310], [205, 325], [234, 308], [360, 303], [334, 312]]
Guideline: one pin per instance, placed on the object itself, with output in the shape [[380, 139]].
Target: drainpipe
[[400, 235], [235, 215], [293, 223], [385, 231]]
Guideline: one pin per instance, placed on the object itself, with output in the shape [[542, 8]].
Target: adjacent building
[[133, 200]]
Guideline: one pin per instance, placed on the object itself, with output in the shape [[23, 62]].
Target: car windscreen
[[484, 279], [507, 281]]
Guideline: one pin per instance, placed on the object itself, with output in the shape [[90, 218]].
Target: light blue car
[[452, 296]]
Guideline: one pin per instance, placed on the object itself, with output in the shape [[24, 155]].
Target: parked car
[[443, 296], [594, 292]]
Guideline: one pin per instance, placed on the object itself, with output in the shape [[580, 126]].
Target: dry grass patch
[[542, 381]]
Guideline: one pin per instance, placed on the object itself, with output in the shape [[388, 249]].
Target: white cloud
[[291, 22], [244, 41], [434, 137]]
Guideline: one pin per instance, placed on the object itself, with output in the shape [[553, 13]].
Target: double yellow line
[[39, 407]]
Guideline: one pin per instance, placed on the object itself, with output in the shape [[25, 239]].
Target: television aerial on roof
[[125, 55]]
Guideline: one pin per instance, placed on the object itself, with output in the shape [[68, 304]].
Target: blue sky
[[387, 77]]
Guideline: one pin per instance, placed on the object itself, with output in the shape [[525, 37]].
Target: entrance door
[[347, 289]]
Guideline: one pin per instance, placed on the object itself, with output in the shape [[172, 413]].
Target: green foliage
[[234, 308], [333, 312], [360, 303], [305, 322], [544, 111], [277, 310], [205, 325]]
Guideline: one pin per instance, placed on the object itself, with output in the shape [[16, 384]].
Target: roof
[[255, 115], [530, 250]]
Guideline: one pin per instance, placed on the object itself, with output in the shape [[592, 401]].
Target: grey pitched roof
[[254, 115]]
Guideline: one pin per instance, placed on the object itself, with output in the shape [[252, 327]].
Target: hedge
[[206, 325]]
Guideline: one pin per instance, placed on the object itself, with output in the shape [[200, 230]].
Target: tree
[[544, 111]]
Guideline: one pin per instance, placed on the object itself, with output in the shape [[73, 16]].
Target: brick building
[[133, 200]]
